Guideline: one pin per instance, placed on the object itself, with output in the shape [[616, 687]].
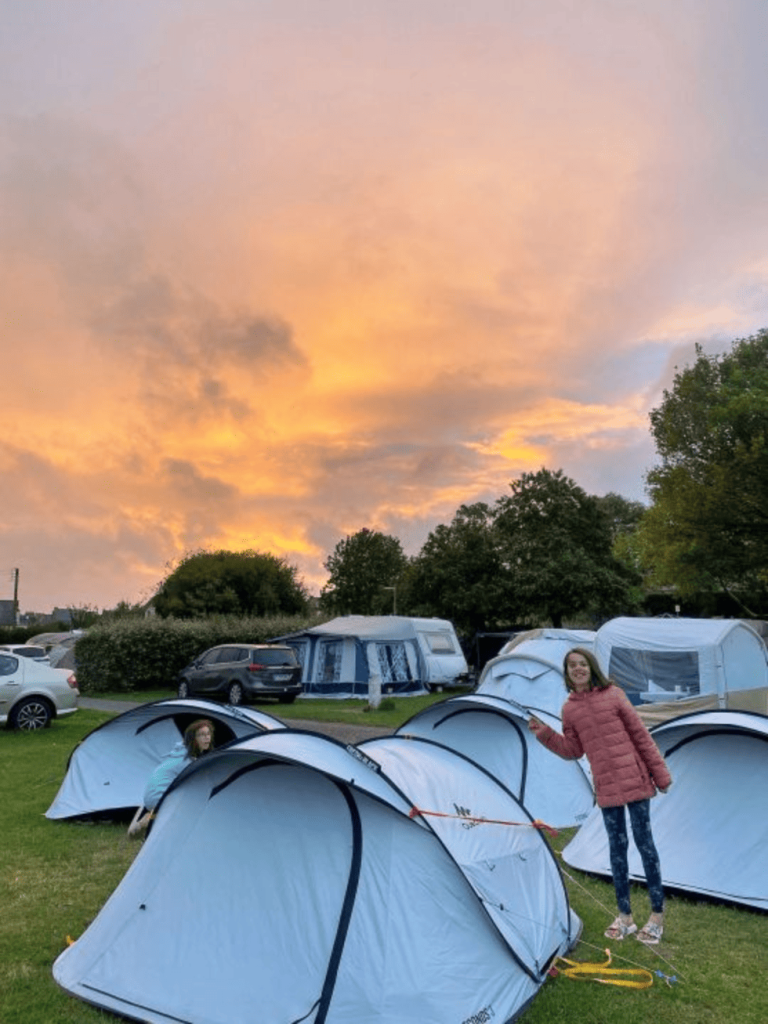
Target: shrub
[[21, 634], [147, 654]]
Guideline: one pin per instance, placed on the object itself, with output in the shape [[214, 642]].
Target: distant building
[[62, 615], [7, 613]]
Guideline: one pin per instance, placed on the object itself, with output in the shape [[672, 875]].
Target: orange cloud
[[280, 273]]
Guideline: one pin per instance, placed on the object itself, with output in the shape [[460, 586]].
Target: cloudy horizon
[[277, 270]]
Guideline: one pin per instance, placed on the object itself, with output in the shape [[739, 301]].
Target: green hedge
[[20, 634], [146, 654]]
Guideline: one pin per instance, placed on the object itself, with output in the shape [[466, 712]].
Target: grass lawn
[[55, 876], [391, 713]]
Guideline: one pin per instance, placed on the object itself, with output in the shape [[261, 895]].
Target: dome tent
[[329, 902], [493, 732], [711, 828], [529, 669], [108, 770]]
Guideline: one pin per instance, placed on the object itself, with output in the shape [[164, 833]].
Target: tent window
[[330, 662], [639, 671], [301, 652], [393, 662]]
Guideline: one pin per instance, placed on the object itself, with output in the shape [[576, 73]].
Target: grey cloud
[[186, 481], [180, 346], [163, 319], [214, 399], [249, 339], [72, 200]]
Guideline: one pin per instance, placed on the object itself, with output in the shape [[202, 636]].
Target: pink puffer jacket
[[624, 758]]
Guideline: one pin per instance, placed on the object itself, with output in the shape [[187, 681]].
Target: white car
[[32, 694], [27, 651]]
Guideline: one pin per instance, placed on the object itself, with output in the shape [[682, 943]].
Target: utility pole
[[16, 596]]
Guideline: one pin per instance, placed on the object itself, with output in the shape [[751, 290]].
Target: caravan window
[[440, 643], [640, 671], [393, 662]]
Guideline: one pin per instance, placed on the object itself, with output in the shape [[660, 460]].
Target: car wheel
[[235, 693], [32, 713], [287, 698], [183, 689]]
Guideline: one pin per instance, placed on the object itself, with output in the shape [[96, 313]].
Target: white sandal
[[619, 930], [651, 934]]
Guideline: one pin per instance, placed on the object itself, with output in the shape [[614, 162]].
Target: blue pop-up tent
[[711, 828], [493, 732], [108, 770], [529, 669], [288, 878]]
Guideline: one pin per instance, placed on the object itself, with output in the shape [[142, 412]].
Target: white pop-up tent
[[529, 669], [108, 770], [287, 879], [348, 655], [711, 828], [673, 666], [493, 732]]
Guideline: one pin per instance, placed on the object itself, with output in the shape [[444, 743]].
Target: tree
[[707, 528], [624, 518], [83, 616], [123, 610], [556, 547], [230, 582], [360, 568], [623, 515], [457, 574]]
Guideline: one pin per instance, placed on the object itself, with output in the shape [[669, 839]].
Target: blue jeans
[[618, 843]]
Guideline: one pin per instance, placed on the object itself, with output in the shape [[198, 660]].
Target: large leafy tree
[[624, 519], [361, 570], [707, 528], [623, 514], [457, 574], [231, 582], [556, 546]]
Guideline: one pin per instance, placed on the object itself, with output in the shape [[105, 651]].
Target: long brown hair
[[597, 679], [190, 736]]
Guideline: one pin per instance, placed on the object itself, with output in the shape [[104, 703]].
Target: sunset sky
[[275, 270]]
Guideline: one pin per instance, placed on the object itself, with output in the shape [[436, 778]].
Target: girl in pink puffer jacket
[[627, 769]]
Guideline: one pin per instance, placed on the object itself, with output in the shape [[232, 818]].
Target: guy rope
[[630, 977]]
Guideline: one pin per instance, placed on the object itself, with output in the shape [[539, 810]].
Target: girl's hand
[[535, 725]]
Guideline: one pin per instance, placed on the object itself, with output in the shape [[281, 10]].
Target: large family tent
[[529, 669], [711, 828], [108, 770], [59, 646], [493, 732], [286, 879], [669, 667], [347, 656]]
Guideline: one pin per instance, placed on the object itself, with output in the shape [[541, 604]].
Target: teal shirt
[[164, 774]]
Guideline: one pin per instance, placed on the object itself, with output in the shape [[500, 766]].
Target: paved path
[[338, 730]]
